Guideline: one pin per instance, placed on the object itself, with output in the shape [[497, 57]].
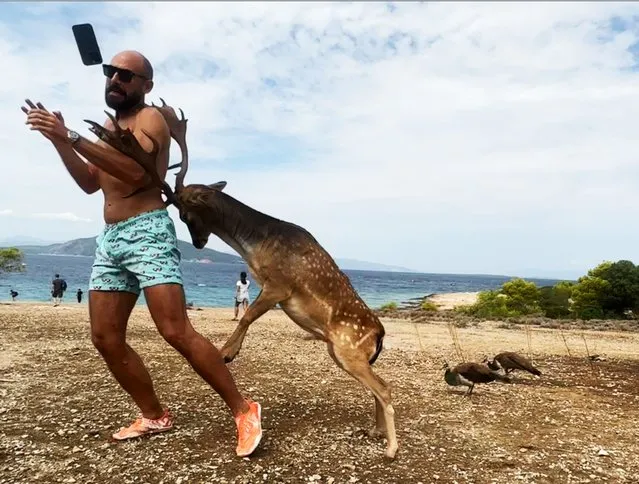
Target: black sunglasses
[[125, 75]]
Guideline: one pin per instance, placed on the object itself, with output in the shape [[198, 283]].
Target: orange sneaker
[[249, 429], [144, 426]]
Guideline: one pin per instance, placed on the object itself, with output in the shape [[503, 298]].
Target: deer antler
[[178, 133], [124, 141]]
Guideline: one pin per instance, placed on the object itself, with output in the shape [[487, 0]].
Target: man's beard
[[125, 104]]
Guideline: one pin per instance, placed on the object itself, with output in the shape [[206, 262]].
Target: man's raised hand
[[51, 125]]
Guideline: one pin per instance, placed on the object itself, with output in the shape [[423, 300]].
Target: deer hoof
[[227, 356], [390, 452]]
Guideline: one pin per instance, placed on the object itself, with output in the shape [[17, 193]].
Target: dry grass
[[59, 404]]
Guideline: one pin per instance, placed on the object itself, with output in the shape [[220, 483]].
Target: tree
[[608, 291], [587, 296], [555, 300], [522, 297], [11, 260], [623, 291]]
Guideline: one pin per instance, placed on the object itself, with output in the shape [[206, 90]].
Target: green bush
[[389, 306], [429, 306], [516, 297], [610, 290]]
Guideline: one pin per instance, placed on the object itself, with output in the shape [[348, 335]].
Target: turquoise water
[[213, 285]]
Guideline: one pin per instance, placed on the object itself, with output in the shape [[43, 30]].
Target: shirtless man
[[137, 250]]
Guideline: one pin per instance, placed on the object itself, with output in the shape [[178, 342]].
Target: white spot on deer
[[362, 339]]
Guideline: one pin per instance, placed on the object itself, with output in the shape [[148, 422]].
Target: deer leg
[[380, 421], [264, 301], [356, 364]]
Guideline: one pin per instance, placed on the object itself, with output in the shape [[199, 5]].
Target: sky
[[490, 138]]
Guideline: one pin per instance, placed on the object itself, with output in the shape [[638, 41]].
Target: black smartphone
[[87, 44]]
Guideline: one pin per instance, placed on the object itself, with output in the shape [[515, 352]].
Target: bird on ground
[[510, 361], [470, 373]]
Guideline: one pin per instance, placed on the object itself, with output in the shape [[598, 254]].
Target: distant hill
[[86, 247], [360, 265], [24, 240]]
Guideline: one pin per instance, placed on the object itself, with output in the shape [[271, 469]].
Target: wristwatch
[[73, 137]]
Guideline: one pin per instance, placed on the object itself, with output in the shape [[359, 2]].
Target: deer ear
[[218, 186]]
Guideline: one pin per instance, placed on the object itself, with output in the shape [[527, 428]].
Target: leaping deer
[[292, 268]]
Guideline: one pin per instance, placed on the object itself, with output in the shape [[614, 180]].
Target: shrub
[[516, 297], [429, 306], [391, 306]]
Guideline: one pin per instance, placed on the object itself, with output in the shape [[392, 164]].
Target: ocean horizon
[[213, 284]]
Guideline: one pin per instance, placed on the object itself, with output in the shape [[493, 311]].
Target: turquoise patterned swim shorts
[[135, 253]]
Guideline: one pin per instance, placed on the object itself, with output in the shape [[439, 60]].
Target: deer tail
[[378, 348]]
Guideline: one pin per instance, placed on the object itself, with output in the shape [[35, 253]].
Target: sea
[[213, 285]]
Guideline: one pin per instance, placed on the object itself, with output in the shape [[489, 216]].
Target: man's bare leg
[[109, 313], [245, 306], [166, 304]]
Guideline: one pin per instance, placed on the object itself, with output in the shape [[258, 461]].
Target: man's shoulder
[[152, 119], [150, 114]]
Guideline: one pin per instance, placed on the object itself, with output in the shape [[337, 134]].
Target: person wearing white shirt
[[241, 294]]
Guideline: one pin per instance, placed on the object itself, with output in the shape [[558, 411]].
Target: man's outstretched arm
[[84, 174], [107, 159]]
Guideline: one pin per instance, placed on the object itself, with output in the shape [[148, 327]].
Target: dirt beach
[[59, 406], [453, 299]]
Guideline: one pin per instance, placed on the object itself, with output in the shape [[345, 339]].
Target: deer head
[[194, 204]]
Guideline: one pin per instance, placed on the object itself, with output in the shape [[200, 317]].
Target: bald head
[[129, 79], [134, 61]]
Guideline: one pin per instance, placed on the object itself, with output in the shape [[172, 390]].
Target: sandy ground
[[453, 299], [59, 405]]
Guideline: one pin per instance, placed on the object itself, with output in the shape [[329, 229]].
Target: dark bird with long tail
[[469, 374], [510, 361]]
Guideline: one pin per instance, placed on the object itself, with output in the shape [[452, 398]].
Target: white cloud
[[483, 137], [67, 216], [6, 212]]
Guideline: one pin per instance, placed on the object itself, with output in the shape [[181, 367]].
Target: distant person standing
[[59, 286], [241, 294], [14, 294], [79, 294]]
